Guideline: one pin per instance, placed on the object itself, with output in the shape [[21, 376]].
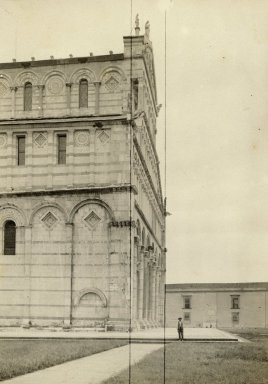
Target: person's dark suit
[[180, 329]]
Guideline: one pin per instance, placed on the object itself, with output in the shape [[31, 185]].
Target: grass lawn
[[202, 363], [18, 357]]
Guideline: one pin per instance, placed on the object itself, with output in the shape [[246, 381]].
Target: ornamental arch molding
[[47, 205], [82, 73], [26, 76], [110, 70], [12, 212], [91, 201], [52, 73], [95, 291]]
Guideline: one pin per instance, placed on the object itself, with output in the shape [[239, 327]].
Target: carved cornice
[[123, 223], [91, 190]]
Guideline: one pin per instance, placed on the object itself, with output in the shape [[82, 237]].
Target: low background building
[[218, 305]]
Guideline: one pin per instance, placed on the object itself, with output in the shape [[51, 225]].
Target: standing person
[[180, 328]]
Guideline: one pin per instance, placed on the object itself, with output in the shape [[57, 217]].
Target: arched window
[[83, 93], [9, 238], [28, 96], [143, 237]]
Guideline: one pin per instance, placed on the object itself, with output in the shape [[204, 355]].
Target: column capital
[[68, 84], [97, 83], [40, 86], [14, 89]]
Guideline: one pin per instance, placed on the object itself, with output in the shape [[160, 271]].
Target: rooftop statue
[[147, 31]]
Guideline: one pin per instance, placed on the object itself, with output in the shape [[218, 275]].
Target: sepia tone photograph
[[134, 191]]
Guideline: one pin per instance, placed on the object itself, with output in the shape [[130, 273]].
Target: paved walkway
[[89, 370], [155, 333]]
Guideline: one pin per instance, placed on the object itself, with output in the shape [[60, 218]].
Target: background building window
[[235, 302], [235, 317], [28, 96], [83, 93], [21, 150], [187, 317], [187, 302], [61, 149], [9, 238]]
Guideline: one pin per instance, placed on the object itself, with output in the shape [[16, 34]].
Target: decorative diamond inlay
[[3, 89], [111, 83], [49, 219], [92, 219], [40, 139], [103, 137]]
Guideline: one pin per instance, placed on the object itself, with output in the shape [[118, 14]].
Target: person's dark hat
[[179, 318]]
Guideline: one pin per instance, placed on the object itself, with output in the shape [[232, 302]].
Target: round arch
[[54, 73], [96, 291], [113, 68], [47, 205], [26, 76], [90, 201], [82, 73], [13, 213]]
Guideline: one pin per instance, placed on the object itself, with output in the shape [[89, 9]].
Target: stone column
[[140, 95], [50, 158], [41, 89], [136, 265], [68, 296], [141, 286], [148, 293], [97, 97], [70, 160], [13, 110], [153, 285], [68, 97], [145, 284], [157, 295], [29, 151], [9, 165], [28, 271]]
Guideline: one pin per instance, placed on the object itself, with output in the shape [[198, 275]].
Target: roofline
[[70, 60], [197, 287]]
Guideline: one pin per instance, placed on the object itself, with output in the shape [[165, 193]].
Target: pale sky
[[217, 114]]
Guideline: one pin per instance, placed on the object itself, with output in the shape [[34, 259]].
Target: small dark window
[[187, 302], [83, 93], [28, 96], [135, 89], [10, 238], [187, 317], [235, 302], [235, 317], [61, 149], [21, 150]]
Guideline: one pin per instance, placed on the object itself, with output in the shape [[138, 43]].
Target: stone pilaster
[[68, 97], [9, 165], [68, 296], [28, 271], [97, 97], [50, 158], [13, 97], [29, 152], [70, 160], [41, 90]]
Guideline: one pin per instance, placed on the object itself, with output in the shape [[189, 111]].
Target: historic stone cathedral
[[81, 210]]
